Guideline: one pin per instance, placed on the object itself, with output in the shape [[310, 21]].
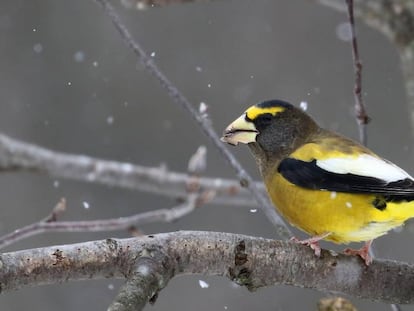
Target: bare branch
[[245, 179], [122, 223], [360, 111], [394, 19], [249, 261], [198, 161], [143, 285], [17, 155], [195, 197]]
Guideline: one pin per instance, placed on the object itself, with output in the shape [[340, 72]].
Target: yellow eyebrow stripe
[[254, 111]]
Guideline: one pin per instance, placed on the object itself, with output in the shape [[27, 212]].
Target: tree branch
[[49, 225], [195, 197], [245, 179], [394, 19], [360, 111], [147, 279], [16, 155], [249, 261]]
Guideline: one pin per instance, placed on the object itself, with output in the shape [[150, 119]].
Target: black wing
[[309, 175]]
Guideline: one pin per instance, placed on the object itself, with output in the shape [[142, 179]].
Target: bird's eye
[[265, 118]]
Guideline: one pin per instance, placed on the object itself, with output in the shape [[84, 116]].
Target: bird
[[325, 184]]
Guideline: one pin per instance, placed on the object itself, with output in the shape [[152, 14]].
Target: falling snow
[[209, 85], [110, 120], [348, 204], [343, 31], [38, 48], [56, 184], [304, 105], [140, 5], [333, 195], [79, 56], [152, 54], [203, 109], [199, 69], [398, 229], [253, 210], [85, 205], [111, 286], [203, 284], [95, 64]]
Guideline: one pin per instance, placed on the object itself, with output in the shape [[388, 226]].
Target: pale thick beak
[[240, 131]]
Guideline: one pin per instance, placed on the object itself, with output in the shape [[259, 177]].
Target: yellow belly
[[347, 217]]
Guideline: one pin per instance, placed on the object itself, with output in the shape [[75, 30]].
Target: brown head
[[272, 129]]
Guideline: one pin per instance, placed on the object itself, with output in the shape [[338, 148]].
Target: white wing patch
[[365, 165]]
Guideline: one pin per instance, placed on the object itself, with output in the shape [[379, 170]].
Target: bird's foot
[[363, 252], [312, 242]]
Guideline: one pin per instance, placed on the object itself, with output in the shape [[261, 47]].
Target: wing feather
[[336, 175], [364, 165]]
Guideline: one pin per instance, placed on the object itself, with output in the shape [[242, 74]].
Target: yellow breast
[[348, 217]]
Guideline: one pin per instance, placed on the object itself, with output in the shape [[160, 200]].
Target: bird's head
[[272, 129]]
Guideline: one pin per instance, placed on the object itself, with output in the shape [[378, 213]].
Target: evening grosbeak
[[325, 184]]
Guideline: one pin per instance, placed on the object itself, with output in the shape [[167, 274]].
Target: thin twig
[[195, 197], [281, 228], [48, 225], [360, 111]]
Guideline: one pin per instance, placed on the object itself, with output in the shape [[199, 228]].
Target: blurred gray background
[[69, 83]]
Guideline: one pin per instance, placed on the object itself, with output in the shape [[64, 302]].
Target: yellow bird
[[325, 184]]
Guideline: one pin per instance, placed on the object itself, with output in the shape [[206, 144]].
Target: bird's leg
[[363, 252], [312, 242]]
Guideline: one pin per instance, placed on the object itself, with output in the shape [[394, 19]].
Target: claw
[[363, 252], [312, 242]]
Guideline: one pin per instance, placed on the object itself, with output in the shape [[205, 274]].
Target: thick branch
[[249, 261], [143, 285]]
